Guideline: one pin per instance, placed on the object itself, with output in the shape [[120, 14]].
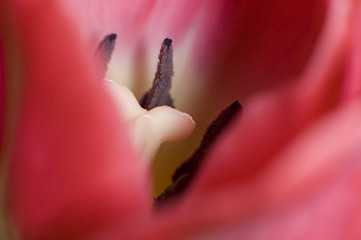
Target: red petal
[[249, 45], [272, 119], [72, 169], [311, 192], [352, 83]]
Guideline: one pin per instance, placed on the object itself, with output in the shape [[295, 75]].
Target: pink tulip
[[288, 169]]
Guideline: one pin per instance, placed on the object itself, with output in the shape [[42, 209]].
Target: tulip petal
[[272, 119], [72, 168], [245, 46], [351, 87], [311, 193]]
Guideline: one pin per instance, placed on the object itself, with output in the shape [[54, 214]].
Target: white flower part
[[149, 129]]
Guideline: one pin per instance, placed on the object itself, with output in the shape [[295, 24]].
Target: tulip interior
[[154, 119]]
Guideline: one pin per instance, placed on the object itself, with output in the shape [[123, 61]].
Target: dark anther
[[159, 94], [104, 51], [168, 42], [187, 171]]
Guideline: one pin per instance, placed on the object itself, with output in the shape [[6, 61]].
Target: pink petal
[[352, 85], [245, 46], [311, 193], [72, 169], [272, 119], [135, 19]]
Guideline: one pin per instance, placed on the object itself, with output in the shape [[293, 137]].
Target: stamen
[[187, 171], [104, 51], [159, 94], [150, 127]]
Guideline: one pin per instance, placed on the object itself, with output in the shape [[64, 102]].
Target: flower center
[[185, 173], [154, 119]]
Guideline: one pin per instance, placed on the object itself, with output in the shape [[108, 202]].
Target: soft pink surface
[[72, 169]]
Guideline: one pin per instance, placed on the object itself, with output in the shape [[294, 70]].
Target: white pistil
[[149, 129]]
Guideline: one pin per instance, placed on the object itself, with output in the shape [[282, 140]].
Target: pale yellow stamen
[[149, 129]]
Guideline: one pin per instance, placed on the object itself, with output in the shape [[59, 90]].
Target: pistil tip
[[168, 42], [112, 36], [159, 94], [104, 52], [185, 174]]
